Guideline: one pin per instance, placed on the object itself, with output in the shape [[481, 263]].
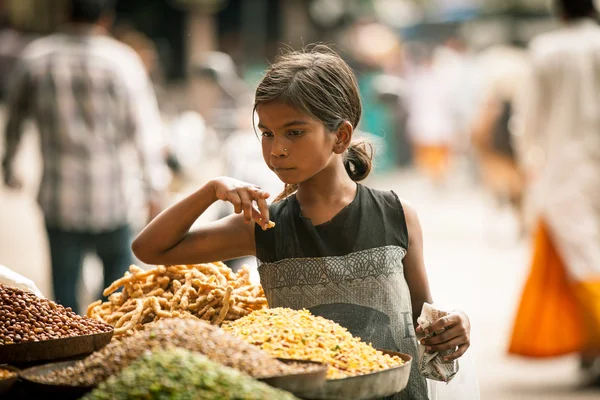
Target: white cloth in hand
[[432, 365]]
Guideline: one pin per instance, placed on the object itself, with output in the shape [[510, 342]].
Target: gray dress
[[348, 270]]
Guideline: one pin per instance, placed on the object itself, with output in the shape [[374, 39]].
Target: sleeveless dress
[[348, 270]]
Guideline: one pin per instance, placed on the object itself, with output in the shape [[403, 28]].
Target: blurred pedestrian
[[431, 123], [560, 307], [504, 71], [93, 103], [144, 46]]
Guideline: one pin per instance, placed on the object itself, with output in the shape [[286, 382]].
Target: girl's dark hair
[[318, 83], [576, 9], [89, 11]]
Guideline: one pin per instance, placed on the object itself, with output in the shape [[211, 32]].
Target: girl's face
[[295, 146]]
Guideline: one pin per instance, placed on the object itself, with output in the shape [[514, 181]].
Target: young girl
[[345, 252]]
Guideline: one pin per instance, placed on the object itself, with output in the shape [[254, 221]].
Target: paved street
[[473, 257]]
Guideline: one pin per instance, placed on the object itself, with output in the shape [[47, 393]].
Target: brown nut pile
[[211, 292], [190, 334], [24, 317]]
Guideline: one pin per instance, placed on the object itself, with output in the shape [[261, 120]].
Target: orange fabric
[[432, 159], [549, 321], [588, 294]]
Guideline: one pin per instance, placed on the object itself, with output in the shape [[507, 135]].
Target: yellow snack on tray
[[287, 333]]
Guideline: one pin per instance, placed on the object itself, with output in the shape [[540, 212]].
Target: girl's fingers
[[243, 198], [246, 204], [448, 334], [443, 337], [258, 193], [234, 198], [260, 208], [263, 209], [256, 217], [452, 344], [444, 322], [462, 349]]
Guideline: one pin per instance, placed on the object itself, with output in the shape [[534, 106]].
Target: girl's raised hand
[[456, 335], [246, 198]]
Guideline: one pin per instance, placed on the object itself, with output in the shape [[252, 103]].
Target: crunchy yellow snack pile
[[287, 333]]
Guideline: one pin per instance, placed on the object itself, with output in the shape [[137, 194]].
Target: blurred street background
[[438, 78]]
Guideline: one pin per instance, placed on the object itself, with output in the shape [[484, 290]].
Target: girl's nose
[[279, 151]]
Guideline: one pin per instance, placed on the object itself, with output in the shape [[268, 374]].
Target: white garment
[[431, 119], [457, 72], [502, 74], [563, 119]]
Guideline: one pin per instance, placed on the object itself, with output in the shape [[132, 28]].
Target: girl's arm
[[414, 265], [457, 325], [168, 240]]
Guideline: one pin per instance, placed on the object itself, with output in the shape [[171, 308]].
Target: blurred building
[[251, 31]]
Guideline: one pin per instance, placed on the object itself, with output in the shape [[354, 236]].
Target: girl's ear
[[343, 137]]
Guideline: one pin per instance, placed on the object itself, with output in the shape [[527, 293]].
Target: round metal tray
[[54, 349], [302, 381], [34, 387], [7, 383], [364, 387], [309, 380]]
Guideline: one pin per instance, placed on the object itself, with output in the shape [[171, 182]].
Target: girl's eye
[[296, 133], [267, 134]]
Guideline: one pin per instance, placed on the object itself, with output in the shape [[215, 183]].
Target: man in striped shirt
[[94, 107]]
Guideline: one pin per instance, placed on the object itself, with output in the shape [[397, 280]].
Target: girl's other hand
[[246, 198], [457, 334]]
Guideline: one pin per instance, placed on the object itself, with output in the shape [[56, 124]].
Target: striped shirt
[[97, 115]]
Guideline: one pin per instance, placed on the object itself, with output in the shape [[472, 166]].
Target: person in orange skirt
[[431, 122], [559, 311]]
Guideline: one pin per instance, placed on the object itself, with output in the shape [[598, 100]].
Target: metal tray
[[34, 387], [364, 387], [54, 349], [7, 383], [300, 382], [291, 383]]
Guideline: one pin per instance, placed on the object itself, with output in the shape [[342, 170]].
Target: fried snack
[[291, 334], [7, 374], [211, 292], [270, 224]]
